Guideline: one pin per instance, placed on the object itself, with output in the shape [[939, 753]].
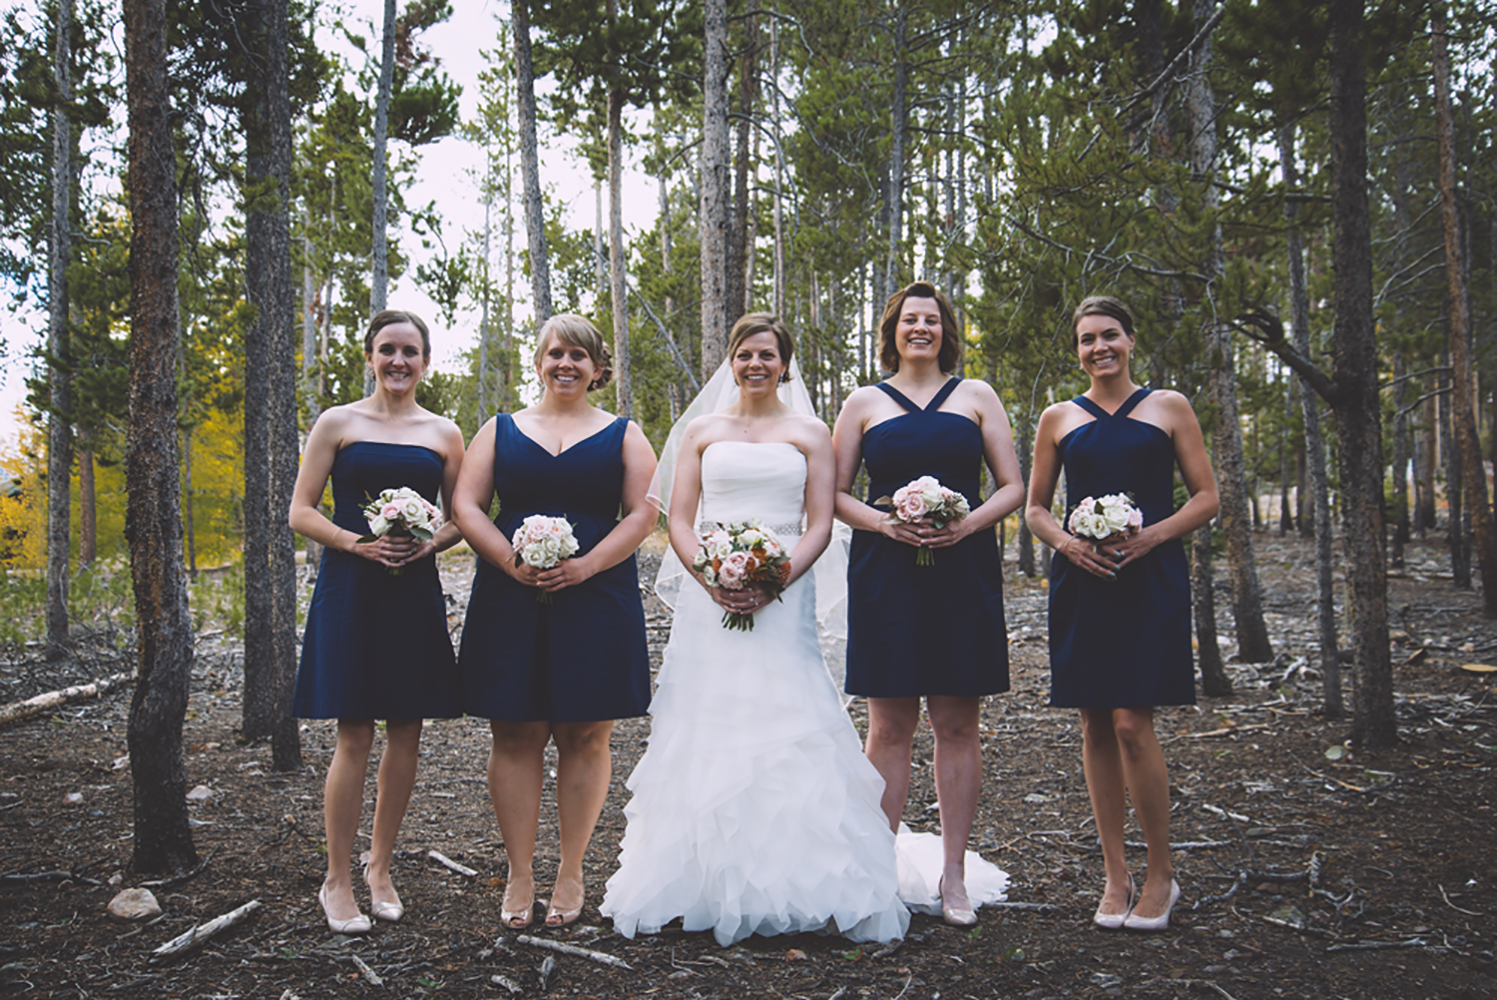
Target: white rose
[[533, 556], [378, 526]]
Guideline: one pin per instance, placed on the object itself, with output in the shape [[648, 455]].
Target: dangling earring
[[785, 376]]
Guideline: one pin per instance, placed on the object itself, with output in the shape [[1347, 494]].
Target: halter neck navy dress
[[925, 630], [581, 658], [1125, 642], [376, 643]]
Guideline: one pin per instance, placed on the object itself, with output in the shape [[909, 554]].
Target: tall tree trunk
[[153, 524], [1253, 645], [188, 524], [59, 416], [311, 397], [1425, 457], [530, 171], [1325, 600], [779, 170], [270, 451], [88, 520], [379, 284], [1025, 433], [618, 281], [1214, 679], [898, 129], [1401, 442], [1374, 725], [1464, 366], [738, 244], [1455, 493], [713, 164]]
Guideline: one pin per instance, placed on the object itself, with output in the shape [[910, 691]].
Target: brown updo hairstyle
[[751, 323], [950, 354], [389, 317], [1101, 305], [577, 331]]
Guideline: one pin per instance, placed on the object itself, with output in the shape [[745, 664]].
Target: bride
[[754, 809]]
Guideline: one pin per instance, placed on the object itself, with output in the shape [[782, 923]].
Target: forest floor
[[1266, 797]]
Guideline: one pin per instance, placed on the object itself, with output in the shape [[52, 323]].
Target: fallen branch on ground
[[203, 932], [443, 859], [20, 711], [571, 949], [369, 974]]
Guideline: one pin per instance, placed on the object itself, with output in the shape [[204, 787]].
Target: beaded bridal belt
[[790, 528]]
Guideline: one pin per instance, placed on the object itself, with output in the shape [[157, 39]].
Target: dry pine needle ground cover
[[1304, 876]]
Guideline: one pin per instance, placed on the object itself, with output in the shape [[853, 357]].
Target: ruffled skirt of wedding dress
[[754, 810]]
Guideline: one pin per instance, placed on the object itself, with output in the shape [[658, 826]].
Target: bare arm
[[305, 517], [1044, 474], [632, 529], [821, 485], [470, 507], [1200, 482], [1003, 461], [847, 447]]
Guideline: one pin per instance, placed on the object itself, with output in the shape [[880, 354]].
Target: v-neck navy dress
[[376, 643], [925, 630], [1124, 642], [581, 658]]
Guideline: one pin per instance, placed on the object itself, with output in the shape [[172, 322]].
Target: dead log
[[571, 949], [20, 711]]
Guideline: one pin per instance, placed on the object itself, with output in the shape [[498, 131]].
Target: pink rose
[[733, 571], [911, 506], [390, 512], [1135, 519]]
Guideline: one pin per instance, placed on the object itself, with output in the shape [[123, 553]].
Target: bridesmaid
[[562, 670], [934, 631], [1120, 612], [358, 663]]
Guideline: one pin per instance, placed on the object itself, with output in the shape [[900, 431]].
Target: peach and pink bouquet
[[543, 542], [737, 556], [1102, 518], [925, 499], [401, 511]]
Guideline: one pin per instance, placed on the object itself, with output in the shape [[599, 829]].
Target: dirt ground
[[1304, 874]]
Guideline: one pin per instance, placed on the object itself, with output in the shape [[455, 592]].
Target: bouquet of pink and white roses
[[738, 555], [1102, 518], [401, 511], [925, 499], [543, 542]]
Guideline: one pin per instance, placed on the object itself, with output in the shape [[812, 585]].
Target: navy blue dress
[[925, 630], [1125, 642], [581, 658], [376, 644]]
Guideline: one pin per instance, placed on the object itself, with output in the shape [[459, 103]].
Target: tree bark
[[1462, 411], [311, 398], [713, 163], [1214, 680], [1325, 601], [1374, 725], [1236, 518], [738, 244], [270, 453], [530, 171], [59, 426], [618, 280], [898, 127], [153, 525], [88, 519], [380, 280]]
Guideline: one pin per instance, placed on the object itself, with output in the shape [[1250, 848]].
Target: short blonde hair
[[577, 331]]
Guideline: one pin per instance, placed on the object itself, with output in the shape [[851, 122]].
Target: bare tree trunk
[[1455, 495], [1374, 725], [1023, 428], [270, 452], [187, 520], [88, 520], [1325, 601], [1253, 645], [713, 164], [898, 126], [1462, 412], [738, 244], [1400, 458], [1214, 680], [153, 526], [618, 286], [59, 416], [379, 283], [311, 397], [779, 171], [530, 171]]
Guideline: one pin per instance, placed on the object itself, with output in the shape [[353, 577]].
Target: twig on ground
[[571, 949], [1380, 945], [1301, 928], [369, 974], [444, 860], [19, 711], [1469, 913], [203, 932], [183, 877]]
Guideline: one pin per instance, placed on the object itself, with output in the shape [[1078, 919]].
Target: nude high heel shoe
[[1159, 923]]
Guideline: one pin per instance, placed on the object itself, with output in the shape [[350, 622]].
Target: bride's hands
[[741, 602]]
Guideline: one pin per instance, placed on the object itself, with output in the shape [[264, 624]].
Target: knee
[[1134, 735], [589, 741], [955, 725], [355, 738], [515, 741]]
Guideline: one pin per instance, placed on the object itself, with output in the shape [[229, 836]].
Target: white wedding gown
[[754, 809]]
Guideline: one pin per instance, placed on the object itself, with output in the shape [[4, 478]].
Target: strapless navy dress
[[925, 630], [1124, 642], [376, 643], [583, 657]]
